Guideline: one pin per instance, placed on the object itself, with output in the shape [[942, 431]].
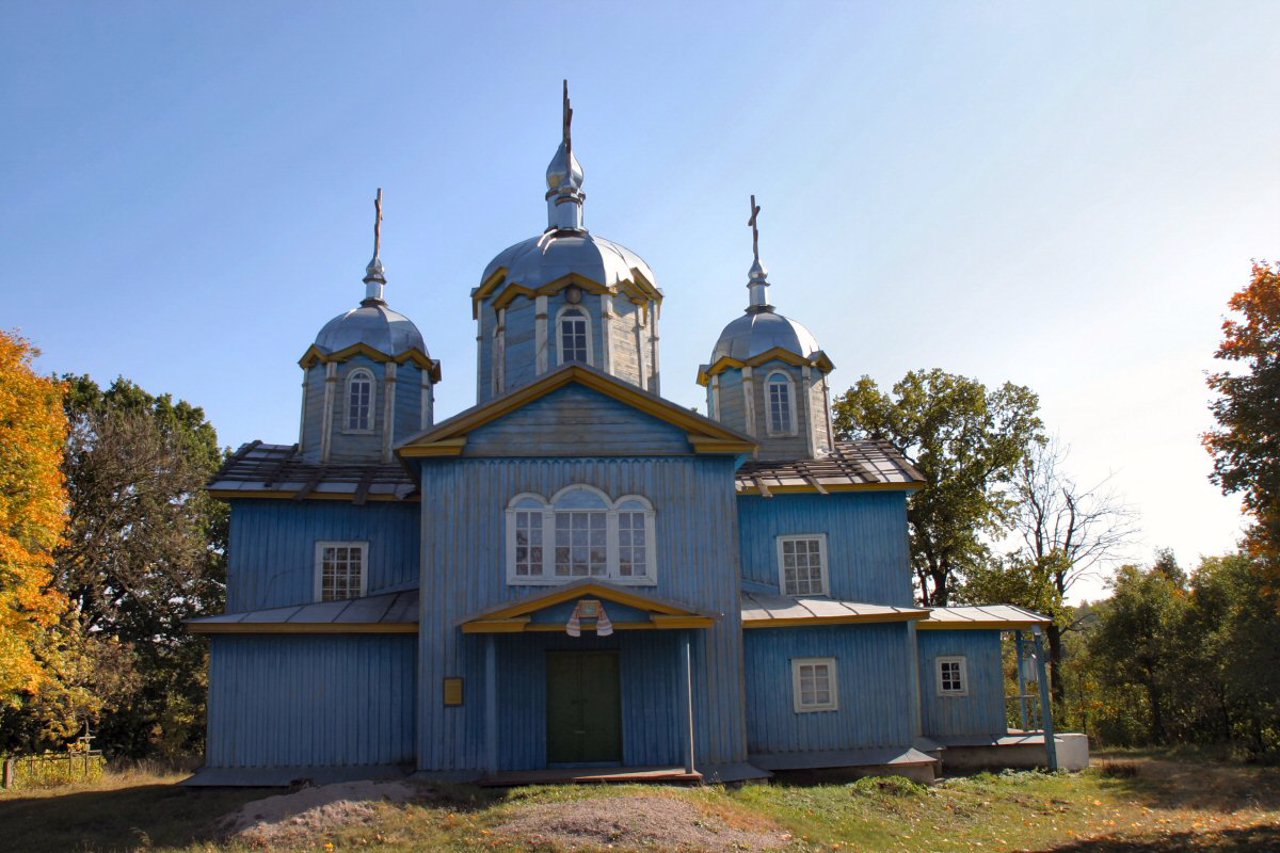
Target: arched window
[[580, 533], [781, 406], [360, 401], [574, 338]]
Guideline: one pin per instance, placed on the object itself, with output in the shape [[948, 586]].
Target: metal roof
[[390, 612], [865, 463], [763, 610], [278, 470], [759, 331], [372, 323], [555, 254], [1003, 616]]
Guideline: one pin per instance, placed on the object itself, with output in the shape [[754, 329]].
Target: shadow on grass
[[1164, 784], [119, 819], [1251, 838]]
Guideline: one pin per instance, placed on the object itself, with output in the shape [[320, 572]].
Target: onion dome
[[757, 332], [555, 254]]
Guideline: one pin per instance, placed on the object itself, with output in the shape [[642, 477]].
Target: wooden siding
[[780, 446], [733, 413], [867, 550], [313, 419], [874, 668], [310, 701], [408, 413], [271, 557], [572, 421], [982, 712], [464, 573]]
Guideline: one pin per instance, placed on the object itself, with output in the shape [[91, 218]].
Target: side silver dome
[[553, 255], [760, 331], [375, 325]]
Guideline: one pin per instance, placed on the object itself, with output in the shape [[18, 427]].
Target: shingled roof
[[863, 464], [279, 471]]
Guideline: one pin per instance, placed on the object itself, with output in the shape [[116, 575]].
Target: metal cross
[[377, 224], [568, 121], [755, 230]]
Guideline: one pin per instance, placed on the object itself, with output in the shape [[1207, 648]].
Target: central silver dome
[[555, 254], [374, 324], [760, 331]]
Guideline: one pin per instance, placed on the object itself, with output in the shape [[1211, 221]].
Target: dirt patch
[[294, 818], [637, 823]]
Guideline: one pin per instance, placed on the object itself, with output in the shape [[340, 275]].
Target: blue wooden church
[[576, 578]]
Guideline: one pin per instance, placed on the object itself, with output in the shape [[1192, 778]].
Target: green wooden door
[[584, 708]]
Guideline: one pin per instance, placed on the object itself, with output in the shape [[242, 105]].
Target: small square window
[[802, 564], [341, 570], [813, 684], [953, 678]]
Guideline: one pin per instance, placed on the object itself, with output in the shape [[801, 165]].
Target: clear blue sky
[[1061, 195]]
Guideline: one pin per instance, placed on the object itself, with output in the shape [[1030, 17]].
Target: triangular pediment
[[574, 396], [631, 610]]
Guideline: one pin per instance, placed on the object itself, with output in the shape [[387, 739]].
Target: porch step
[[589, 776]]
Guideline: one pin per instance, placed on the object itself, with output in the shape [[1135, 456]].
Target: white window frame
[[824, 563], [964, 675], [611, 509], [367, 375], [361, 546], [586, 319], [783, 378], [833, 685]]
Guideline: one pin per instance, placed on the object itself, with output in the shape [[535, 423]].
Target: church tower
[[367, 380], [768, 376], [565, 296]]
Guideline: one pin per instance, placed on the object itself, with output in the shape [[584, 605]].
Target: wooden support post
[[1022, 680], [490, 704], [1046, 709], [684, 699]]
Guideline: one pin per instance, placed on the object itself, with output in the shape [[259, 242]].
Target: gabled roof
[[449, 438], [762, 610], [514, 618], [260, 470], [388, 613], [1004, 617], [861, 465]]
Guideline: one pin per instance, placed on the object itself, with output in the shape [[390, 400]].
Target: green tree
[[968, 442], [144, 551], [1246, 444]]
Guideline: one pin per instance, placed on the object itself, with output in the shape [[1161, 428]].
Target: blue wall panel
[[874, 668], [271, 558], [575, 420], [310, 701], [982, 712], [867, 547], [464, 573]]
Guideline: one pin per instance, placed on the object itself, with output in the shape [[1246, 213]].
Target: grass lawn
[[1129, 803]]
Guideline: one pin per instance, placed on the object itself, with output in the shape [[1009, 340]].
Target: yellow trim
[[443, 447], [637, 287], [495, 626], [851, 619], [568, 593], [314, 355], [703, 444], [509, 295], [990, 625], [303, 628], [660, 620], [836, 487], [486, 287], [277, 494], [700, 429], [786, 356]]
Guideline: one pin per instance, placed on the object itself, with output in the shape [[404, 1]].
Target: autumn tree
[[1246, 444], [968, 442], [33, 431]]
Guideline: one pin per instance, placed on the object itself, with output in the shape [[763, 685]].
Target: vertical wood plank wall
[[982, 712], [867, 548], [311, 701]]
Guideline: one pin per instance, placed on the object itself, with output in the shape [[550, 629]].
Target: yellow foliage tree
[[33, 503]]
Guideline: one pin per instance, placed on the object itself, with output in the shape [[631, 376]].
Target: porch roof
[[764, 610], [1003, 617], [387, 613], [654, 613]]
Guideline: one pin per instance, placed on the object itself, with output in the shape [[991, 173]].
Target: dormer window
[[580, 533], [360, 401], [574, 340], [782, 414]]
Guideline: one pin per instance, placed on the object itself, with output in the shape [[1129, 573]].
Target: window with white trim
[[359, 401], [574, 336], [580, 533], [781, 407], [802, 564], [341, 570], [813, 685], [953, 676]]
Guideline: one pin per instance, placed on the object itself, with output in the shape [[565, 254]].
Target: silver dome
[[555, 254], [760, 331], [374, 324]]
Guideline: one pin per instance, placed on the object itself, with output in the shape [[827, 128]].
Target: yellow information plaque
[[453, 691]]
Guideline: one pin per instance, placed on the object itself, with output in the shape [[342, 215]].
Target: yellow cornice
[[302, 627], [638, 288], [280, 494], [589, 589], [510, 294], [443, 447], [314, 355], [486, 287], [819, 361], [712, 437]]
